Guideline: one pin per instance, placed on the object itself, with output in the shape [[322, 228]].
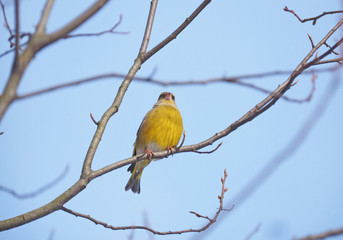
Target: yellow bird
[[160, 130]]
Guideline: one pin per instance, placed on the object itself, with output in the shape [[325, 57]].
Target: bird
[[160, 130]]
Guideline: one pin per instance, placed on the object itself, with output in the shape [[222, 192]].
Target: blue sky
[[46, 133]]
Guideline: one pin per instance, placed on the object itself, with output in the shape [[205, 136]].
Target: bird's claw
[[149, 153]]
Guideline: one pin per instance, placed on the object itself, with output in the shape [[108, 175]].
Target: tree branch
[[148, 28], [314, 19], [5, 19], [234, 79], [111, 30], [211, 221], [41, 26], [17, 30]]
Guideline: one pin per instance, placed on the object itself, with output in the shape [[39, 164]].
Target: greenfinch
[[161, 129]]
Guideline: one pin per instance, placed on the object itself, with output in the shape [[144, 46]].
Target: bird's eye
[[162, 96]]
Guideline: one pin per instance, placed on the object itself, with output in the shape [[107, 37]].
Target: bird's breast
[[161, 129]]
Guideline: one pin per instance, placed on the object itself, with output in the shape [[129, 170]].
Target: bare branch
[[183, 140], [148, 28], [5, 19], [61, 33], [94, 121], [41, 26], [176, 32], [234, 79], [336, 60], [309, 36], [17, 30], [38, 191], [211, 221], [208, 152], [111, 30], [323, 235], [12, 49], [314, 19], [327, 45], [331, 50]]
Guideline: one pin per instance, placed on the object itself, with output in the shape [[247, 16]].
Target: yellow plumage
[[160, 129]]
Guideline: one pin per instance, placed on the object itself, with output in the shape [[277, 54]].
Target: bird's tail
[[135, 179], [134, 182]]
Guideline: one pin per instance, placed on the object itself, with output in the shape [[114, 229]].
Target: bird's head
[[166, 98]]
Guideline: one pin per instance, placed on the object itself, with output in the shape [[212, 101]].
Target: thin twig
[[336, 60], [314, 19], [148, 28], [200, 216], [111, 30], [208, 152], [17, 30], [71, 36], [309, 36], [12, 49], [327, 45], [183, 140], [331, 50], [94, 121], [5, 19], [211, 220], [39, 190]]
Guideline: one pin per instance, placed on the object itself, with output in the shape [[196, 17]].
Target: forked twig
[[111, 30], [314, 19]]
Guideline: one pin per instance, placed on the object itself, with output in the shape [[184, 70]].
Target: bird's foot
[[171, 150], [149, 153]]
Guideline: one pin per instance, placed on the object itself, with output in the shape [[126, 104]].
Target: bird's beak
[[168, 96]]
